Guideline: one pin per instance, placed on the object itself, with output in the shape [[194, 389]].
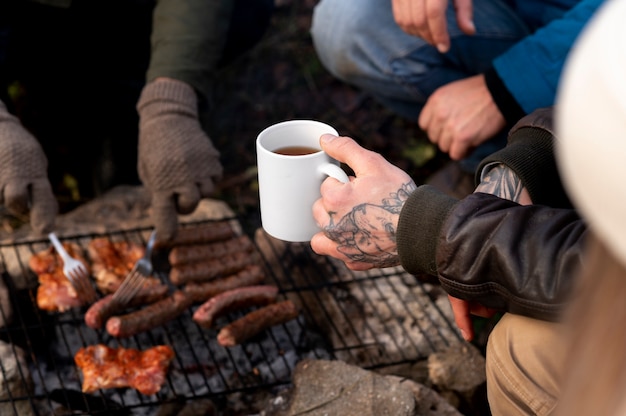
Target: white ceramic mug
[[289, 184]]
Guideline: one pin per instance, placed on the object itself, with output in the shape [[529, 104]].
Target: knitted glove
[[24, 185], [177, 161]]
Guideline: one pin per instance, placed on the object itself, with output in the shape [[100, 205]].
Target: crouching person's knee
[[336, 31], [523, 362]]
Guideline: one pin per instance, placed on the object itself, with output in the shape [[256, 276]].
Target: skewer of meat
[[204, 233], [200, 252], [249, 276], [150, 317], [256, 321], [232, 300], [103, 309], [209, 270]]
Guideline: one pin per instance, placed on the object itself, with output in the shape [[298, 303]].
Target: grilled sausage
[[248, 276], [150, 317], [211, 269], [256, 321], [101, 310], [201, 252], [232, 300], [204, 233]]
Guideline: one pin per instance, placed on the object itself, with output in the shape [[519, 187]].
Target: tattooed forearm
[[502, 182], [367, 234]]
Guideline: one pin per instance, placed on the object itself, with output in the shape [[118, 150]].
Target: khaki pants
[[524, 357]]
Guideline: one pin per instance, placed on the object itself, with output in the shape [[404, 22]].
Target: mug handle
[[334, 171]]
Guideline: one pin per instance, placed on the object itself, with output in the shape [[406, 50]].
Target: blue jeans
[[359, 42]]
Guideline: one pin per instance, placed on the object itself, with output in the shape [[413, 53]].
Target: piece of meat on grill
[[200, 292], [232, 300], [256, 321], [55, 293], [112, 260], [192, 253], [104, 367], [103, 309], [149, 317], [212, 268]]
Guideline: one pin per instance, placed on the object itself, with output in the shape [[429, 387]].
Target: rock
[[460, 368], [326, 387], [459, 373], [15, 381]]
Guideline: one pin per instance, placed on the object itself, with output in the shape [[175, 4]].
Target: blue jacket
[[541, 55]]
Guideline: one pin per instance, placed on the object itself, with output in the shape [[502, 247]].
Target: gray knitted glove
[[24, 185], [177, 161]]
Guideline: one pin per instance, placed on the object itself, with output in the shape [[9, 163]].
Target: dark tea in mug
[[296, 150]]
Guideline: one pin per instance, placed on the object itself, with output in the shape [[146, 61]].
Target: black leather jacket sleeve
[[513, 258]]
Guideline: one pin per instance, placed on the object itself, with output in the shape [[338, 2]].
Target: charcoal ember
[[15, 380]]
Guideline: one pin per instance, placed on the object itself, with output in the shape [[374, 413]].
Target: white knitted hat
[[591, 125]]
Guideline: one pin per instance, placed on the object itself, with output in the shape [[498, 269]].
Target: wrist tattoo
[[501, 182], [367, 234]]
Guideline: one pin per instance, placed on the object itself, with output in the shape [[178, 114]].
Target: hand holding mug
[[360, 218]]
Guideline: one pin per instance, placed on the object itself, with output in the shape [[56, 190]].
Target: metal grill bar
[[374, 319]]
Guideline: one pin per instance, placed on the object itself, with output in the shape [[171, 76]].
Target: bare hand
[[463, 311], [460, 116], [360, 218], [427, 19]]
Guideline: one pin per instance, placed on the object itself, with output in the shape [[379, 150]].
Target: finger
[[206, 188], [322, 245], [45, 207], [347, 151], [425, 117], [465, 16], [444, 140], [438, 25], [410, 17], [462, 317], [187, 199], [164, 216], [458, 149], [482, 311], [17, 197], [319, 213]]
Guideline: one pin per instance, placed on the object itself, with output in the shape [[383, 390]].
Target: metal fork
[[75, 271], [132, 283]]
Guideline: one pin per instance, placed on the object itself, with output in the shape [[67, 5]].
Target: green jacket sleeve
[[187, 40]]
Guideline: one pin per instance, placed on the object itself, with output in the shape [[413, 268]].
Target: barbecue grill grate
[[372, 319]]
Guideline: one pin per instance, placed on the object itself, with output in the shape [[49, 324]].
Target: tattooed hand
[[359, 219]]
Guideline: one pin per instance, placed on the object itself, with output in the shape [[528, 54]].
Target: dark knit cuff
[[507, 104], [169, 95], [419, 226], [530, 154]]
